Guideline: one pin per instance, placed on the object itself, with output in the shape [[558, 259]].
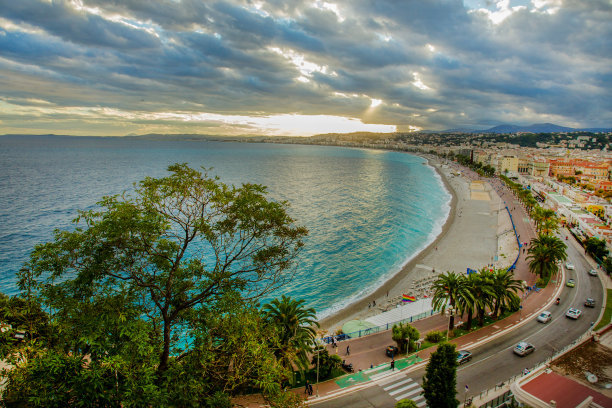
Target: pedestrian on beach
[[374, 303], [369, 305], [348, 350]]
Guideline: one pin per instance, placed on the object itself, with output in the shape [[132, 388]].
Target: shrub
[[434, 336]]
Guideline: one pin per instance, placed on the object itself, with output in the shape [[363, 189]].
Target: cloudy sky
[[283, 67]]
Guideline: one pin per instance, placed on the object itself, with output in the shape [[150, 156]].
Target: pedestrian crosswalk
[[401, 387]]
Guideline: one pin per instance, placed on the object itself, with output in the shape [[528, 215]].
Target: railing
[[517, 241], [377, 329]]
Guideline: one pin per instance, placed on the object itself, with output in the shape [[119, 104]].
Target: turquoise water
[[368, 212]]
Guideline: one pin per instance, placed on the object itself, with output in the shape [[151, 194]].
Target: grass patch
[[607, 315], [461, 331]]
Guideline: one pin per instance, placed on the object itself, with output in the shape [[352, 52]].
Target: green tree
[[505, 291], [596, 247], [173, 269], [544, 253], [481, 286], [296, 327], [440, 379], [327, 362], [447, 288], [406, 403], [405, 336]]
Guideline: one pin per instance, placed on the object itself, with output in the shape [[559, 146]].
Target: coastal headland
[[477, 233]]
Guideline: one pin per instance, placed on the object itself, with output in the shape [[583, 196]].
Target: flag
[[406, 298]]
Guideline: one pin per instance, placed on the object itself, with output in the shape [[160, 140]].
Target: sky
[[298, 68]]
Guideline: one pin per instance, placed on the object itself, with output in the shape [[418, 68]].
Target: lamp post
[[450, 312], [320, 347]]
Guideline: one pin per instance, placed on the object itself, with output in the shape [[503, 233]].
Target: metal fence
[[377, 329]]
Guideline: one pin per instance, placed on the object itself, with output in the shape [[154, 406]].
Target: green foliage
[[406, 403], [440, 380], [295, 325], [405, 336], [544, 254], [327, 362], [596, 247], [133, 320], [434, 336]]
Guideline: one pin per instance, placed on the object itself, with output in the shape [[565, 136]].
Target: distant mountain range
[[535, 128]]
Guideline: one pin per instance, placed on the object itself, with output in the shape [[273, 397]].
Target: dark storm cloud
[[434, 64]]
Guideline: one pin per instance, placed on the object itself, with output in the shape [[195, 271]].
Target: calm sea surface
[[368, 212]]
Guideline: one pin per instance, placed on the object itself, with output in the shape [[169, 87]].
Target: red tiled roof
[[566, 392]]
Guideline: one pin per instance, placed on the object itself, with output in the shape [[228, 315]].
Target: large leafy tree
[[596, 247], [544, 253], [158, 272], [296, 328], [440, 380], [447, 288], [405, 336]]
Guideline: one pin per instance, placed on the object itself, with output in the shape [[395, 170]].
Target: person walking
[[348, 350], [393, 364], [310, 389], [307, 388]]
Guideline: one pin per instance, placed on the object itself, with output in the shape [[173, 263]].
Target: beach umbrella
[[353, 326]]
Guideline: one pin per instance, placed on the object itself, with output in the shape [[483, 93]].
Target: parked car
[[589, 302], [570, 283], [569, 266], [593, 272], [573, 313], [523, 348], [544, 317], [392, 351], [463, 356]]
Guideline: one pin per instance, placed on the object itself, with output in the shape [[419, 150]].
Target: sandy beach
[[475, 235]]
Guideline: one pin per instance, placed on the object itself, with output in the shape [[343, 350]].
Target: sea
[[368, 212]]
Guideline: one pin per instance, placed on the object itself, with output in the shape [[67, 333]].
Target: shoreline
[[389, 288]]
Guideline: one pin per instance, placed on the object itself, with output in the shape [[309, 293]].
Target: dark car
[[392, 351], [589, 302], [463, 356]]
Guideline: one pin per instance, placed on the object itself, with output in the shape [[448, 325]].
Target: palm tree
[[447, 288], [505, 289], [295, 325], [466, 303], [544, 254], [481, 286]]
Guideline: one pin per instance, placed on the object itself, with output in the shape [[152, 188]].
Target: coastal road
[[495, 362]]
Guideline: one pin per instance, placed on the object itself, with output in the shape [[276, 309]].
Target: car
[[569, 266], [544, 317], [589, 302], [573, 313], [523, 348], [570, 283], [593, 272], [391, 351], [463, 356]]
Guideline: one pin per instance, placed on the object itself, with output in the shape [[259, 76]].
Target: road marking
[[406, 388], [467, 344], [407, 380]]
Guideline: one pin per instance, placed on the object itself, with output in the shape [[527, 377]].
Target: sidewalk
[[370, 350]]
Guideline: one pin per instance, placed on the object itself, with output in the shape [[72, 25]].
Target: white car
[[569, 266], [573, 313], [544, 317]]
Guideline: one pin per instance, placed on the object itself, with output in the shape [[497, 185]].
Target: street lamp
[[450, 312]]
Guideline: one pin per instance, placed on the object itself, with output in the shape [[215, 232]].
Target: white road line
[[413, 395], [406, 388], [407, 380]]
